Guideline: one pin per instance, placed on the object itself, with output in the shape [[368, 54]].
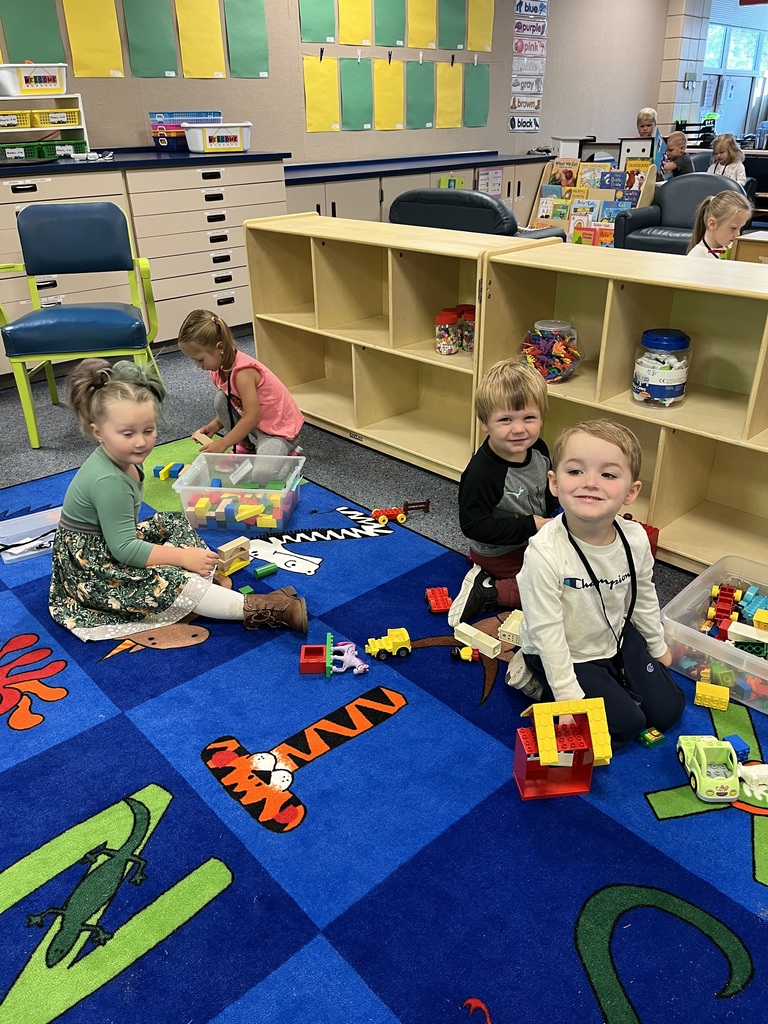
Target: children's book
[[564, 170], [584, 235], [579, 220], [561, 209], [586, 207], [637, 164], [541, 222], [610, 210], [575, 193], [545, 206], [629, 195], [604, 235], [589, 174], [613, 179], [659, 149], [552, 191]]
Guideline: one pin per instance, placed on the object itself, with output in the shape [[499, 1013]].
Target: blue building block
[[740, 746], [215, 482], [176, 468]]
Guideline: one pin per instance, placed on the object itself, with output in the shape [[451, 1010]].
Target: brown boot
[[279, 608]]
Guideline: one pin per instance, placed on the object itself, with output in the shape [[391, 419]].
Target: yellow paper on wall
[[200, 39], [479, 24], [422, 24], [321, 94], [388, 95], [94, 38], [449, 89], [355, 22]]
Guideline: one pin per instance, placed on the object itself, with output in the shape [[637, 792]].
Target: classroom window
[[742, 49], [713, 56]]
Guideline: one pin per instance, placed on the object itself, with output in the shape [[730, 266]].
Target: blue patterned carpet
[[419, 888]]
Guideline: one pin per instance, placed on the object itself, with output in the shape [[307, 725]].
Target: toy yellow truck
[[396, 642]]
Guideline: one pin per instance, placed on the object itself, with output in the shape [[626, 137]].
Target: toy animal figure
[[344, 655]]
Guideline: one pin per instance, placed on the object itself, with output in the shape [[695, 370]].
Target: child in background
[[503, 495], [646, 123], [719, 219], [592, 624], [728, 159], [112, 576], [676, 160], [253, 408]]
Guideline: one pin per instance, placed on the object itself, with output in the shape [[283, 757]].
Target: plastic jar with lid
[[552, 347], [468, 329], [662, 360], [447, 332]]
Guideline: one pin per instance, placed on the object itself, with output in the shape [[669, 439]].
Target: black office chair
[[460, 209]]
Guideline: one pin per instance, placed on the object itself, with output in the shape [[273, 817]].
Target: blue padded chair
[[76, 238], [460, 209]]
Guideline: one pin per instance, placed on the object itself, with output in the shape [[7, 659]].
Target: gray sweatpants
[[266, 444]]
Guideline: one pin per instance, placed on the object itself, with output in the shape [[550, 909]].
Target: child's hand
[[203, 561], [216, 447], [540, 521], [666, 658], [566, 720]]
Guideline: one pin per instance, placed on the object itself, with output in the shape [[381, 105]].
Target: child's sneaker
[[520, 677], [478, 594], [243, 449]]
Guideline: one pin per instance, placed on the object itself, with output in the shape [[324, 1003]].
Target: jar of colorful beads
[[468, 328], [552, 348], [447, 332]]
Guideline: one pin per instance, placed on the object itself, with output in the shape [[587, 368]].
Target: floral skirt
[[97, 598]]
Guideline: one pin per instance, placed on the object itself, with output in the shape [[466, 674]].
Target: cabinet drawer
[[190, 242], [120, 294], [192, 284], [61, 186], [197, 262], [203, 176], [233, 306], [14, 288], [230, 218], [177, 201], [9, 211]]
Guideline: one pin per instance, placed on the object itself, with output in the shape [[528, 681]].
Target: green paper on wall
[[318, 21], [477, 86], [246, 38], [452, 24], [31, 31], [356, 95], [151, 41], [389, 22], [419, 94]]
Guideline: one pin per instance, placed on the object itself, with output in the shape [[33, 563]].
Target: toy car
[[711, 766], [397, 641], [465, 653], [438, 598], [386, 515]]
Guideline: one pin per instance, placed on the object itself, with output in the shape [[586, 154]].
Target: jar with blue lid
[[661, 367]]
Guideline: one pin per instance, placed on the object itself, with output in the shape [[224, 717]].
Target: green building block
[[265, 570]]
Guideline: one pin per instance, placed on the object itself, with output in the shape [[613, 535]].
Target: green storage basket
[[19, 151], [60, 148]]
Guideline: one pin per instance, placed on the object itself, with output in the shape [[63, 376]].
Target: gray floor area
[[360, 474]]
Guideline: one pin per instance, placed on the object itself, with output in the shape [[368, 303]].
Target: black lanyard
[[228, 396], [711, 251], [617, 658]]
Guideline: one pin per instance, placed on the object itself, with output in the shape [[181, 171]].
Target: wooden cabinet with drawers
[[188, 222]]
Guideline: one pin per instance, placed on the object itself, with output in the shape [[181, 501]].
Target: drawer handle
[[223, 257], [219, 238], [333, 208], [52, 283], [222, 278], [211, 175], [225, 302], [31, 187], [214, 218], [214, 197]]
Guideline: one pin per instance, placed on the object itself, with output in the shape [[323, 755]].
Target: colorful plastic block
[[651, 737], [740, 746], [263, 571], [709, 695], [472, 637], [543, 720]]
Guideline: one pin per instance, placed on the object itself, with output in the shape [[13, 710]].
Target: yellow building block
[[709, 695], [544, 724], [268, 522], [248, 512], [202, 506], [239, 563], [760, 620], [165, 472]]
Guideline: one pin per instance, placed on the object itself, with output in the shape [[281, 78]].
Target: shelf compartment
[[565, 414], [715, 506], [709, 411], [316, 370], [422, 411], [423, 283], [517, 296], [351, 290], [280, 269]]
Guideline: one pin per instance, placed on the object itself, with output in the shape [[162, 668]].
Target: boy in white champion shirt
[[592, 622]]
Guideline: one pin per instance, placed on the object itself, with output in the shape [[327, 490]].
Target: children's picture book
[[604, 235], [586, 207], [564, 170], [613, 179], [541, 222], [629, 195], [575, 193], [561, 209], [545, 206], [589, 174], [552, 191], [659, 149], [585, 235], [610, 209], [579, 220]]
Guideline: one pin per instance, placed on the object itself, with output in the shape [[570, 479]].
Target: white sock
[[220, 603]]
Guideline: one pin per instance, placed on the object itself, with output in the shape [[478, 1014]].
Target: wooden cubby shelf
[[344, 314], [705, 460]]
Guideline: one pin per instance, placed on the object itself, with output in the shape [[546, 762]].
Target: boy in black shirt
[[504, 497]]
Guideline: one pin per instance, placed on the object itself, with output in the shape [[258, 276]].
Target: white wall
[[603, 64]]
